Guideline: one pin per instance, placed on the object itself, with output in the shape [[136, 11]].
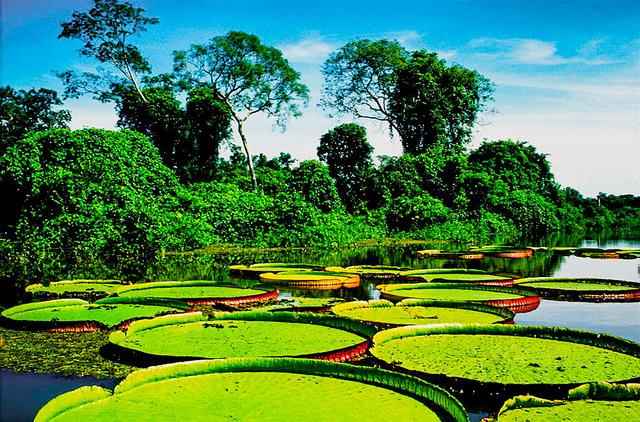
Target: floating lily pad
[[79, 315], [243, 389], [317, 280], [309, 303], [371, 272], [509, 354], [457, 275], [88, 289], [438, 254], [412, 312], [517, 300], [602, 402], [242, 334], [583, 289], [504, 251], [255, 270], [198, 292]]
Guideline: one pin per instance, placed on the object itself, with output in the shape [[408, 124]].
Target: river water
[[21, 395]]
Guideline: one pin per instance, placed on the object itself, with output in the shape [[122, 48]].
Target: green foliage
[[105, 31], [347, 152], [530, 211], [24, 111], [408, 213], [246, 76], [93, 201], [433, 103], [313, 181]]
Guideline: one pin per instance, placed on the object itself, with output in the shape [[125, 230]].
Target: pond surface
[[21, 395]]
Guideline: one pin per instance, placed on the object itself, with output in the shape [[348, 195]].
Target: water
[[22, 395]]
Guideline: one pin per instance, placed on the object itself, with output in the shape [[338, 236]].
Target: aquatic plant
[[582, 289], [303, 385], [317, 280]]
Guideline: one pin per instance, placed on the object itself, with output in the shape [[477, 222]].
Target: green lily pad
[[456, 276], [508, 354], [76, 288], [412, 312], [196, 291], [240, 334], [590, 402], [254, 270], [317, 280], [243, 389], [64, 312]]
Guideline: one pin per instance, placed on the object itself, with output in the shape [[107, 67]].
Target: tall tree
[[24, 111], [360, 78], [434, 103], [247, 76], [105, 31], [347, 153]]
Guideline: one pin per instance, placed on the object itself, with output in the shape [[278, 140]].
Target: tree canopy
[[105, 31], [23, 111], [245, 75]]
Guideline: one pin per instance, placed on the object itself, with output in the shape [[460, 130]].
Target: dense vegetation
[[105, 203]]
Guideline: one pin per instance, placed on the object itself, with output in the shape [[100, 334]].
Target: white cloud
[[307, 50], [409, 39], [536, 52]]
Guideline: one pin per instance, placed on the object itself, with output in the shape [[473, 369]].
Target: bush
[[313, 181], [408, 213], [92, 202]]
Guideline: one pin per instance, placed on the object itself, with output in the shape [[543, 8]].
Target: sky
[[567, 73]]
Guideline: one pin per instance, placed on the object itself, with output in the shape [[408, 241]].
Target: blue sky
[[567, 73]]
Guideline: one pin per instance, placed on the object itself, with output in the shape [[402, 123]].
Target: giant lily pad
[[241, 334], [583, 289], [254, 270], [517, 300], [457, 275], [590, 402], [509, 354], [412, 312], [79, 315], [317, 280], [243, 389], [198, 292], [504, 251], [87, 289]]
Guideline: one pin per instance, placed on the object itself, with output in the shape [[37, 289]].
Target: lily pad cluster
[[456, 275], [598, 253], [475, 253]]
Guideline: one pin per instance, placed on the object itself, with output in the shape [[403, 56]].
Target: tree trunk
[[248, 154]]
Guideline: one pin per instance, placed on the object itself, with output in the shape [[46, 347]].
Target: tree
[[105, 31], [347, 152], [433, 103], [516, 163], [360, 78], [246, 76], [160, 117], [313, 181], [209, 126], [24, 111]]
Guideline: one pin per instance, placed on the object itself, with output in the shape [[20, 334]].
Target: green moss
[[186, 290], [58, 353], [237, 338], [578, 411], [442, 291], [258, 389], [507, 359], [107, 314], [430, 312]]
